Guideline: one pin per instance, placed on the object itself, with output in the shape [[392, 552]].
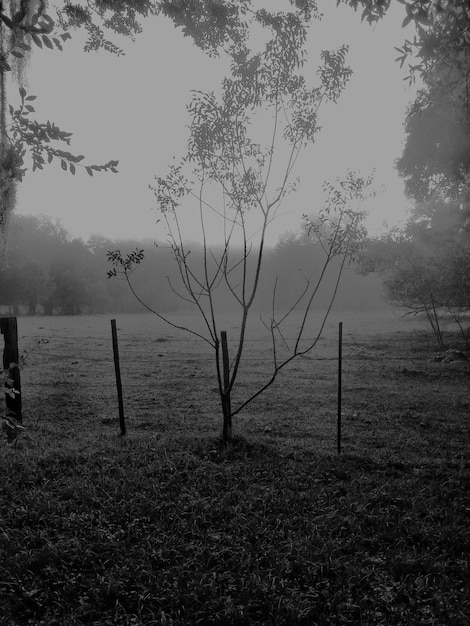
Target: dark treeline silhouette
[[49, 272]]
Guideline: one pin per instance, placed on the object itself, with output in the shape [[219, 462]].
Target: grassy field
[[168, 526]]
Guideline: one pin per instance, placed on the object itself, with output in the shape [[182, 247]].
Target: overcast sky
[[133, 109]]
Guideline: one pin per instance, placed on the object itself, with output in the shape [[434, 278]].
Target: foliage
[[23, 133], [412, 276], [442, 36], [443, 42], [441, 27], [32, 25], [7, 384], [23, 24], [340, 228], [48, 270], [9, 425], [425, 265], [212, 25], [436, 158], [11, 429]]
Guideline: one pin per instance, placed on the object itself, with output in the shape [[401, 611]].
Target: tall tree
[[436, 156], [442, 32], [425, 265]]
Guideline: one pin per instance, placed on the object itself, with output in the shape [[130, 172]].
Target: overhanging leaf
[[36, 39], [47, 42]]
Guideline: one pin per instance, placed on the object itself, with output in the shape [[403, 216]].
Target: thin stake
[[340, 359], [226, 401], [117, 370]]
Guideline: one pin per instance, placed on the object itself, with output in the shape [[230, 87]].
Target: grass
[[170, 526]]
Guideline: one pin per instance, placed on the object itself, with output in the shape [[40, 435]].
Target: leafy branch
[[10, 426], [38, 29], [26, 133]]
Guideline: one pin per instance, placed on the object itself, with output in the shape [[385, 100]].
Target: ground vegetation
[[169, 526]]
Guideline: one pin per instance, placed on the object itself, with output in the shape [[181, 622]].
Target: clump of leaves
[[40, 139], [10, 426], [12, 430]]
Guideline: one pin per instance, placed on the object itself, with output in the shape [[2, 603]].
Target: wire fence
[[79, 348], [366, 361], [69, 373]]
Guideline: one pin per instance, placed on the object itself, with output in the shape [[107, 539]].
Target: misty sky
[[133, 108]]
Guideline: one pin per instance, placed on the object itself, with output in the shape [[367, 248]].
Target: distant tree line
[[50, 272]]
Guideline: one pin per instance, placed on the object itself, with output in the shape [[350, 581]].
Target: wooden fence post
[[226, 401], [117, 370], [340, 359], [9, 330]]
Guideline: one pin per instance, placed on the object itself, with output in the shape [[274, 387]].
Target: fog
[[51, 272], [144, 124]]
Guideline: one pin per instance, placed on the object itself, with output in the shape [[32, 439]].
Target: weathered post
[[226, 402], [9, 329], [117, 370], [340, 359]]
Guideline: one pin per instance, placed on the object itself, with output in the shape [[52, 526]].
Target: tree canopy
[[436, 155], [425, 265], [214, 25]]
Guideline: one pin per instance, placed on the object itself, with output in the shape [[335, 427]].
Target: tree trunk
[[8, 328], [225, 396], [227, 412]]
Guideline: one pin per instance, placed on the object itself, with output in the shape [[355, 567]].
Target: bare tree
[[239, 183]]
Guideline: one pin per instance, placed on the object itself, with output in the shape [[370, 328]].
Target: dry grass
[[169, 526]]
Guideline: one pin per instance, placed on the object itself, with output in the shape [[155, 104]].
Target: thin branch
[[296, 303], [297, 353], [162, 317], [186, 274], [273, 139]]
